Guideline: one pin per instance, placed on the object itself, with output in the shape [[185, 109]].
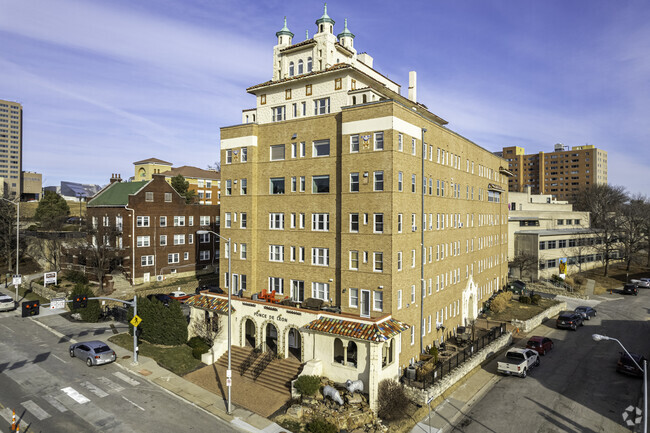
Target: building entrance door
[[365, 303]]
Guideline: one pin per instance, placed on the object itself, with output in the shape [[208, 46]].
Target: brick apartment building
[[561, 173], [155, 230], [336, 187]]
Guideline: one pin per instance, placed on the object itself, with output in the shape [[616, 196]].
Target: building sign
[[49, 278], [278, 318]]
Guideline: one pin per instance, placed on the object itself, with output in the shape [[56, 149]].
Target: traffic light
[[80, 301], [31, 308]]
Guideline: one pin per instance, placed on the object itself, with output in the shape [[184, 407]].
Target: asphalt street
[[576, 388], [52, 392]]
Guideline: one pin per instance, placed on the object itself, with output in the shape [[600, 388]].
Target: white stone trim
[[232, 143], [381, 124]]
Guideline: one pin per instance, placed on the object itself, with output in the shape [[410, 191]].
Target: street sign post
[[57, 303], [17, 280]]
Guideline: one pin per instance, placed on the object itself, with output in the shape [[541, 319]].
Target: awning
[[378, 332], [210, 303]]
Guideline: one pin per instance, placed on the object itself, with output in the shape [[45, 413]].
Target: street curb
[[235, 421], [477, 396]]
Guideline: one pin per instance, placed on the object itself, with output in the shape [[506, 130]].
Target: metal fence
[[424, 378]]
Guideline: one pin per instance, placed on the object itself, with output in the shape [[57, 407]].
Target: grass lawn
[[25, 294], [177, 359], [519, 311], [618, 276]]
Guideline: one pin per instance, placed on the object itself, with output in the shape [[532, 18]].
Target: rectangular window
[[148, 196], [276, 253], [321, 148], [413, 146], [228, 189], [354, 260], [191, 220], [179, 221], [354, 182], [244, 155], [204, 255], [276, 221], [302, 221], [278, 114], [379, 141], [308, 90], [399, 260], [228, 219], [163, 240], [320, 222], [242, 220], [276, 285], [337, 84], [179, 239], [378, 223], [354, 222], [228, 156], [354, 143], [354, 298], [379, 181], [320, 184], [302, 183], [400, 142], [320, 256], [399, 223], [321, 106], [378, 259], [141, 221], [294, 184], [413, 181], [277, 152], [400, 181], [276, 185], [143, 241], [243, 185], [378, 304], [173, 258], [302, 149], [294, 150], [204, 220], [146, 261], [163, 221], [320, 291]]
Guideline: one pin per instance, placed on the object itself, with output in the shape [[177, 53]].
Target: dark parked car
[[540, 344], [518, 287], [92, 352], [165, 299], [630, 289], [627, 366], [586, 312], [569, 320], [211, 289]]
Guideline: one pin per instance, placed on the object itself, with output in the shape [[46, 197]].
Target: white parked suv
[[6, 303]]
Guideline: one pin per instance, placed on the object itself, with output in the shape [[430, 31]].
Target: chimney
[[116, 178], [413, 94]]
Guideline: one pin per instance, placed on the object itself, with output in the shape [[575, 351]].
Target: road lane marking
[[139, 407], [55, 403], [126, 378], [94, 389], [75, 395], [60, 359], [7, 328], [35, 410], [110, 384]]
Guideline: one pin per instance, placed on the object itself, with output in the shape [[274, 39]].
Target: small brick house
[[155, 229]]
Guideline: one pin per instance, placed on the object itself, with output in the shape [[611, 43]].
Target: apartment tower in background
[[561, 173], [11, 148]]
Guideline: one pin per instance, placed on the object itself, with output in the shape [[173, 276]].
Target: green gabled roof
[[117, 194]]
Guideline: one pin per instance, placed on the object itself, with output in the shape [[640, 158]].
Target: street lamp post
[[17, 238], [229, 371], [599, 337]]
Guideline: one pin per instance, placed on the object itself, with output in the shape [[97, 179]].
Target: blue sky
[[104, 83]]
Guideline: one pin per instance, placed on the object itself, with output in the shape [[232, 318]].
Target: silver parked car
[[6, 303], [93, 352]]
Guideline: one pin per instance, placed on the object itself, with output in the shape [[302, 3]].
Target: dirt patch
[[245, 392], [617, 276], [517, 310]]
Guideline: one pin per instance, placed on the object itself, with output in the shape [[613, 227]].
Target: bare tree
[[47, 248], [604, 203], [216, 166], [525, 261], [101, 247], [580, 246], [633, 234], [8, 233]]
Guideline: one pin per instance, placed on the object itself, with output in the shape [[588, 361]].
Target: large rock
[[354, 399], [295, 411]]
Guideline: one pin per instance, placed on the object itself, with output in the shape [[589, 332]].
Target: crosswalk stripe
[[56, 403], [6, 414], [110, 384], [126, 378], [75, 395], [94, 389], [35, 410]]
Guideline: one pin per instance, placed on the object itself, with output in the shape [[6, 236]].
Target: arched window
[[338, 351], [291, 69], [321, 28], [299, 67], [352, 353], [308, 64], [365, 99]]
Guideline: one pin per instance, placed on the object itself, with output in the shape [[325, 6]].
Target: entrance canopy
[[210, 303], [379, 332]]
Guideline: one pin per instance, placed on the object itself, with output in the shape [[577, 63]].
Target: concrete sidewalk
[[148, 369]]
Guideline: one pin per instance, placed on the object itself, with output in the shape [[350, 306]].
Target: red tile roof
[[209, 303], [379, 332]]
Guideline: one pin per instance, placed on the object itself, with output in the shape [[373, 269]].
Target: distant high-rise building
[[11, 147], [561, 173]]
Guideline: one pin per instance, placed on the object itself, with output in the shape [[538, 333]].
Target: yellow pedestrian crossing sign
[[136, 321]]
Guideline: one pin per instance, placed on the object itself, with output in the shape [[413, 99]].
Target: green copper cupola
[[284, 34], [325, 23], [346, 36]]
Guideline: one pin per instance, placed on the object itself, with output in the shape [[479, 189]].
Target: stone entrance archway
[[294, 343], [271, 338], [250, 333]]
